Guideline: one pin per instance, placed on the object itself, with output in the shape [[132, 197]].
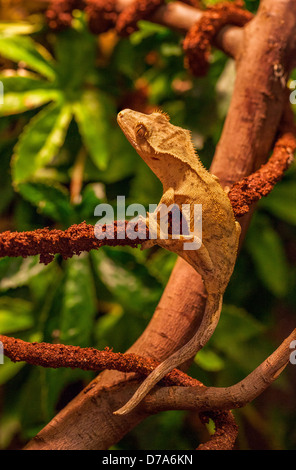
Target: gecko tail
[[197, 342]]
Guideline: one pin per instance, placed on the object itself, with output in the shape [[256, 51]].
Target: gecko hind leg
[[196, 257]]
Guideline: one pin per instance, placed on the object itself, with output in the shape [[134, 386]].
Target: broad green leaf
[[9, 369], [40, 141], [147, 29], [15, 315], [15, 103], [116, 271], [51, 200], [235, 336], [159, 85], [21, 27], [92, 195], [146, 188], [123, 160], [75, 53], [35, 388], [125, 58], [160, 264], [224, 87], [79, 302], [209, 360], [24, 92], [282, 201], [92, 114], [16, 272], [16, 82], [169, 49], [107, 324], [24, 49], [266, 249], [236, 323]]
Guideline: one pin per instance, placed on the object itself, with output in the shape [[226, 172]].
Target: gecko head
[[153, 136]]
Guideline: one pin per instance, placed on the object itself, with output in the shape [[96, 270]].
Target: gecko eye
[[141, 130]]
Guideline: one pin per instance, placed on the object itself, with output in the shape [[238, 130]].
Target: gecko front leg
[[157, 221]]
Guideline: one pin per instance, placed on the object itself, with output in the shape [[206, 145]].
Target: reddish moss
[[199, 39], [102, 15]]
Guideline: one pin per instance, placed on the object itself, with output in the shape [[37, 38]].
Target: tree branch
[[195, 396], [61, 355], [224, 398]]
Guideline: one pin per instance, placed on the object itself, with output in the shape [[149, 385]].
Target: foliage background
[[62, 153]]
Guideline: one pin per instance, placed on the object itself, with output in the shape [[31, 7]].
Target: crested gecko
[[169, 152]]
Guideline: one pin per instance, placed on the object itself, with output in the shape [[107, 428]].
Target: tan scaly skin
[[169, 152]]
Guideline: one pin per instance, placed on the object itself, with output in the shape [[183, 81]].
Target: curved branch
[[235, 396]]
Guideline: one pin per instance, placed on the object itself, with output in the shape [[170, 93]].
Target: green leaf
[[40, 141], [9, 369], [123, 160], [209, 360], [22, 93], [24, 49], [92, 195], [147, 29], [15, 103], [75, 53], [235, 336], [16, 272], [235, 326], [92, 114], [51, 200], [21, 27], [79, 303], [266, 249], [118, 276], [282, 201], [14, 82], [15, 315]]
